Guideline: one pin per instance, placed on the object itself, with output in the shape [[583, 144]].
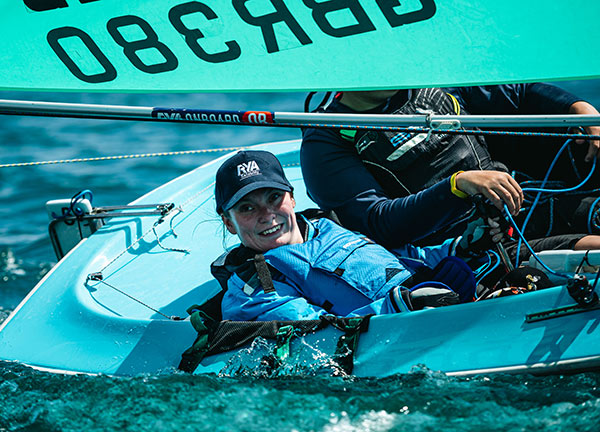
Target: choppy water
[[32, 400]]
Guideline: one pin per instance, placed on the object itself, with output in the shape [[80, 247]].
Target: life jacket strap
[[264, 274]]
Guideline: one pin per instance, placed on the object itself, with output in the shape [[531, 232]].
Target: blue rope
[[484, 266], [585, 192], [483, 276], [573, 164], [526, 243], [551, 216], [66, 212], [540, 190], [537, 198], [86, 193]]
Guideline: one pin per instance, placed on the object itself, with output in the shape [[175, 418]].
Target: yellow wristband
[[453, 187]]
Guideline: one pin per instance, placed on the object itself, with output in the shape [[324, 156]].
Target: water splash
[[258, 361]]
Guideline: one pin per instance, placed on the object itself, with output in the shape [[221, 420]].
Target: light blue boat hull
[[68, 325]]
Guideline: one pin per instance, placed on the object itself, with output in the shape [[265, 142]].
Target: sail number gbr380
[[267, 25]]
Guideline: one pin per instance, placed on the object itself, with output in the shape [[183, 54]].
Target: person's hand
[[479, 237], [499, 187], [582, 107]]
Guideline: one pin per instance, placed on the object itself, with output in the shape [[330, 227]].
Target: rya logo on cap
[[248, 169]]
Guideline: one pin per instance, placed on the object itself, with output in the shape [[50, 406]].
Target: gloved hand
[[479, 237]]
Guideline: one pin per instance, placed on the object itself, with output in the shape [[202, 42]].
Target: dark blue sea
[[30, 400]]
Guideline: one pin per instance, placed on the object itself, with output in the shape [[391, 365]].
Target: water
[[32, 400]]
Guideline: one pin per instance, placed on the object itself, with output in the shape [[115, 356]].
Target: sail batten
[[284, 45]]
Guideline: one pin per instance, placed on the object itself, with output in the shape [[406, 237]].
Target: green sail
[[288, 45]]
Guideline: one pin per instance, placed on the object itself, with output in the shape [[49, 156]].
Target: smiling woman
[[293, 266], [264, 219], [255, 201]]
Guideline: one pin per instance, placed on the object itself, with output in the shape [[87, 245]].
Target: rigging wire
[[96, 277]]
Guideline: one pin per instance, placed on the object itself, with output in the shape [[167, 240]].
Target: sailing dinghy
[[109, 305], [112, 303]]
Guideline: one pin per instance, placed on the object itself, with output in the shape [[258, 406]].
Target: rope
[[541, 190], [537, 198], [417, 130], [412, 130], [489, 268], [526, 243], [131, 156], [571, 189]]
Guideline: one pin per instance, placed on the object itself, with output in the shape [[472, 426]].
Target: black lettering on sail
[[46, 5], [387, 7], [266, 22], [192, 36], [321, 9]]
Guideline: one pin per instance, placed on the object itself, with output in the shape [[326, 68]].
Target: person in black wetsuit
[[395, 187]]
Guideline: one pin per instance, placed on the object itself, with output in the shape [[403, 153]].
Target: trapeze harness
[[404, 163]]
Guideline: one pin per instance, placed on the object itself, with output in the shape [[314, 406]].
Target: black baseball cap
[[246, 172]]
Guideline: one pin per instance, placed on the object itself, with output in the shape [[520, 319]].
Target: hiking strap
[[215, 337], [264, 274], [192, 357], [348, 342]]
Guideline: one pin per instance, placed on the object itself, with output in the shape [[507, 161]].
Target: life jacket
[[342, 271], [404, 163], [337, 270]]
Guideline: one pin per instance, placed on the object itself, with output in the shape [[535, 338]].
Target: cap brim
[[251, 188]]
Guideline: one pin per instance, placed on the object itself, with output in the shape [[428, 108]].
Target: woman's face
[[264, 219]]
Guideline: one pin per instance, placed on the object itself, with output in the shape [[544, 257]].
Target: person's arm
[[582, 107], [532, 98], [336, 179], [430, 255], [243, 303]]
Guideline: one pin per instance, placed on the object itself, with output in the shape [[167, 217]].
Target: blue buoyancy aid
[[334, 271]]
